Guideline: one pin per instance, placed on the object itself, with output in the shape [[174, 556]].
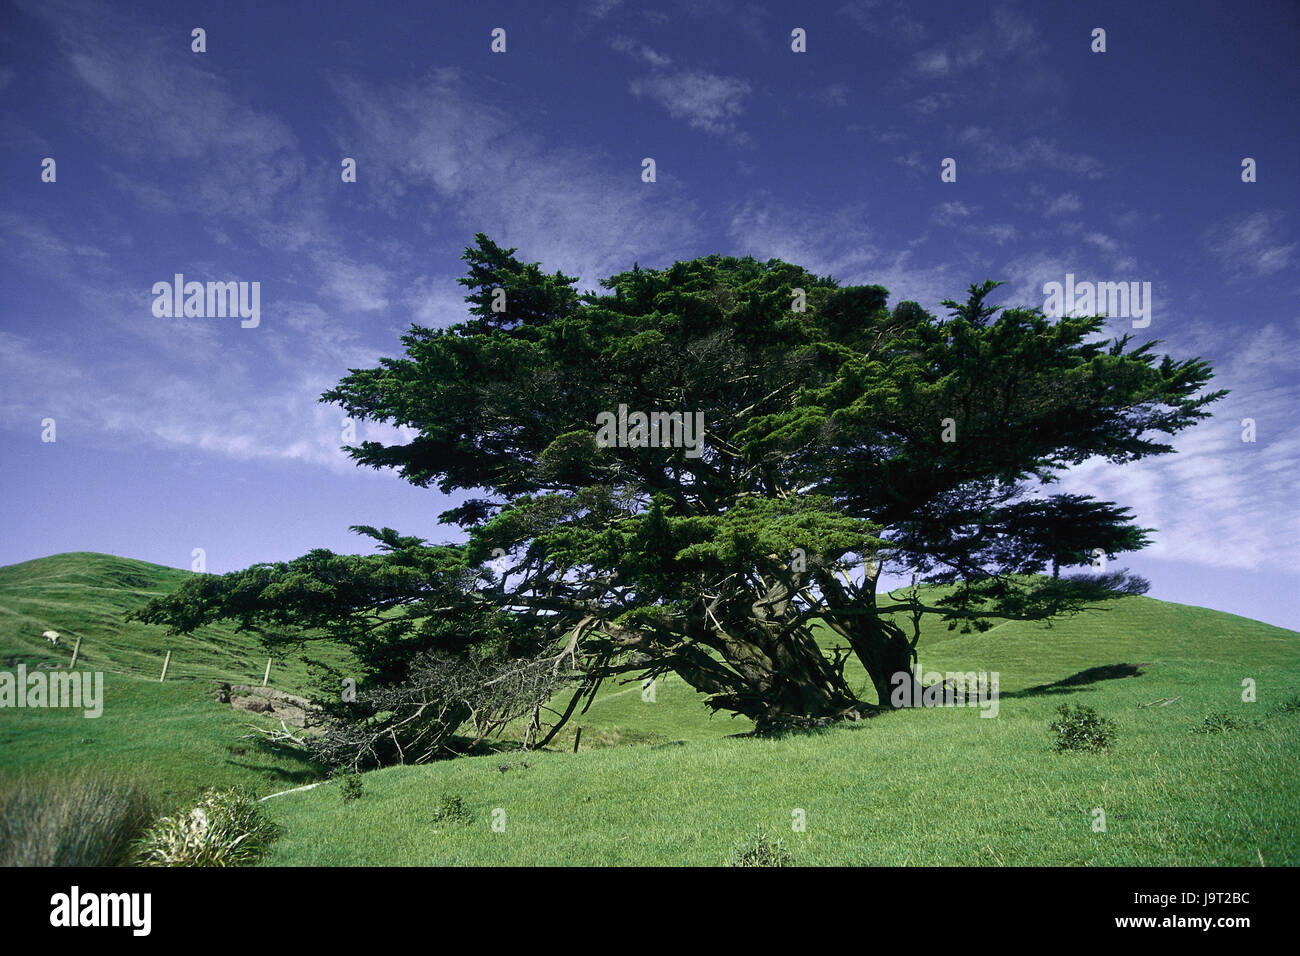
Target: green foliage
[[451, 809], [1081, 728], [1218, 721], [351, 787], [82, 819], [227, 828], [824, 462], [760, 850]]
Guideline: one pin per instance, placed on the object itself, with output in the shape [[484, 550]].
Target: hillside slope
[[180, 740], [87, 595]]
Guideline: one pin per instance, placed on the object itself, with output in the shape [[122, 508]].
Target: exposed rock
[[258, 705], [290, 708]]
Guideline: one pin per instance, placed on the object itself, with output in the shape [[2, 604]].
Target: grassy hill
[[663, 782], [173, 737], [87, 595]]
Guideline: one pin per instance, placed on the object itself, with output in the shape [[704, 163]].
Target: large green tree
[[843, 440]]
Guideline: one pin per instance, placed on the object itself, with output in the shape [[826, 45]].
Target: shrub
[[85, 819], [1218, 721], [1291, 705], [227, 828], [451, 809], [351, 787], [760, 850], [1081, 728]]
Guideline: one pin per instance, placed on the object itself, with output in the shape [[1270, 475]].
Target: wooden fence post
[[166, 660], [267, 676], [576, 738], [75, 650]]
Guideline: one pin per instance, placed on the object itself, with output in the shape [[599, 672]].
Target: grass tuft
[[81, 819], [227, 828]]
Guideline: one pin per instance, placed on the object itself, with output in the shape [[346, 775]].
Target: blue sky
[[181, 433]]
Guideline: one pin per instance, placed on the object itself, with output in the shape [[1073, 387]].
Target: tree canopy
[[842, 439]]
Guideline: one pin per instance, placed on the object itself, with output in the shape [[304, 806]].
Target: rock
[[258, 705], [290, 708]]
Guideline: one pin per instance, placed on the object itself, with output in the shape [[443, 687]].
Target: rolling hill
[[663, 782]]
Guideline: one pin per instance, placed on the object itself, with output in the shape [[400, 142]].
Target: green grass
[[82, 818], [173, 736], [665, 783], [88, 595], [928, 787]]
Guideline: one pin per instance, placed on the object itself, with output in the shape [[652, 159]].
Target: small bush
[[1218, 721], [351, 787], [1291, 705], [760, 850], [227, 828], [451, 809], [86, 819], [1082, 729]]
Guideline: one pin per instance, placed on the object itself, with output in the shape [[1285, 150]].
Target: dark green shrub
[[760, 850], [451, 809], [84, 819], [1082, 729], [1218, 721], [351, 787]]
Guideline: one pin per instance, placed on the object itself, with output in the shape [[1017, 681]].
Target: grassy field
[[87, 595], [173, 737], [665, 783]]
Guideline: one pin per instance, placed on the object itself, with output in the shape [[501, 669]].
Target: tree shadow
[[1076, 682], [280, 773], [277, 754]]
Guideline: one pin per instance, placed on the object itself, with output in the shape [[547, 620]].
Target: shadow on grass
[[1076, 682], [276, 751]]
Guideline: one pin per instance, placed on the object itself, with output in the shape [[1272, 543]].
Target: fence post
[[576, 738], [267, 676], [166, 660], [75, 650]]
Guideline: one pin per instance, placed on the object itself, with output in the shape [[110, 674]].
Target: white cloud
[[639, 51], [704, 100], [932, 63], [1035, 152], [1065, 203], [355, 286], [948, 213], [1116, 258], [1251, 246], [568, 207], [1215, 502], [837, 243]]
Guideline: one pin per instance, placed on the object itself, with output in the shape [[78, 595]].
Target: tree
[[843, 440]]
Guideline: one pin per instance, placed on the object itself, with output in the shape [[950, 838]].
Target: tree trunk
[[775, 681], [886, 654]]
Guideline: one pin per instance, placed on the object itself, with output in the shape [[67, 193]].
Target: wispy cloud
[[1035, 152], [1251, 246], [1064, 204], [570, 208], [841, 244], [1215, 502], [703, 100]]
